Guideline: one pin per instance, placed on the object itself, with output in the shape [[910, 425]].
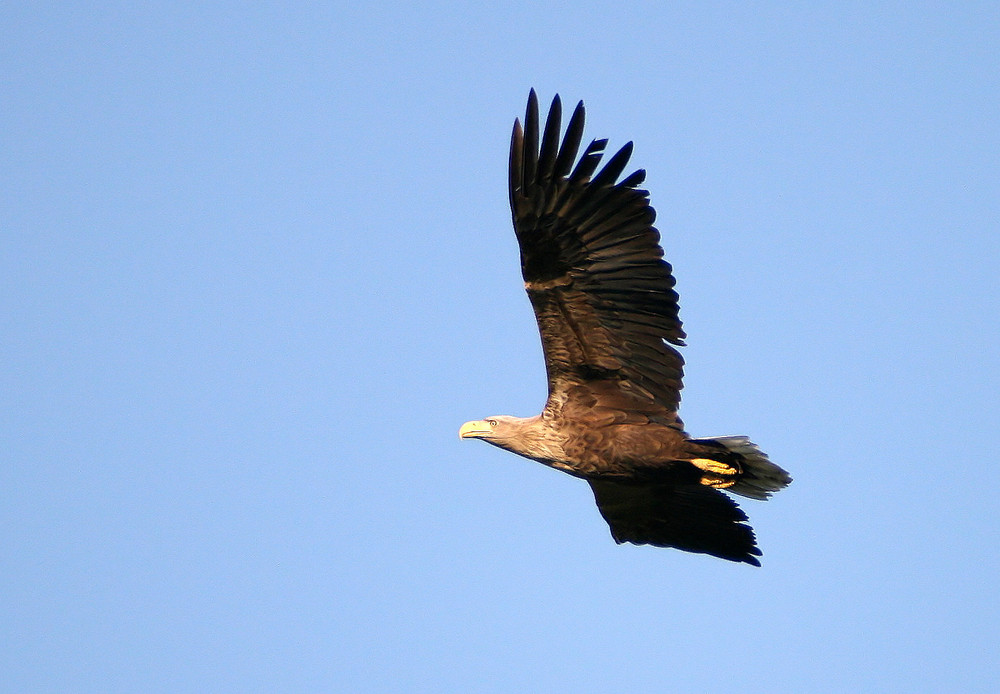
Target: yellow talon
[[717, 482], [714, 467]]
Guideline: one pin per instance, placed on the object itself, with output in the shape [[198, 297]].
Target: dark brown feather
[[550, 142], [690, 517], [592, 264], [571, 141]]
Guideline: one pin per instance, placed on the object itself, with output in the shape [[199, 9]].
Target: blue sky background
[[256, 268]]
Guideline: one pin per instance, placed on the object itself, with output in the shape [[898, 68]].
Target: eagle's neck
[[535, 438]]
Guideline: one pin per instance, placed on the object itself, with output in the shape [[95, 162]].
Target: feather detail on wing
[[693, 518], [592, 263]]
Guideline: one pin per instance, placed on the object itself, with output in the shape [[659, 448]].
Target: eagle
[[607, 312]]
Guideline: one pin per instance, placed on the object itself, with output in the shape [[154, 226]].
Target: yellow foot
[[717, 482], [714, 467]]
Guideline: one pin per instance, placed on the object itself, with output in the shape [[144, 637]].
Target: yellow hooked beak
[[474, 430]]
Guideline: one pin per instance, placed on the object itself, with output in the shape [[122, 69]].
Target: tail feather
[[760, 477]]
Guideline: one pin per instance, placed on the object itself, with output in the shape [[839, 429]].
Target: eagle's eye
[[491, 422]]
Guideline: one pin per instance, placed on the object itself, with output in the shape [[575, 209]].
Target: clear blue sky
[[256, 268]]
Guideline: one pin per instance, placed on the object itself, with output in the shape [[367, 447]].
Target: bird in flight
[[607, 312]]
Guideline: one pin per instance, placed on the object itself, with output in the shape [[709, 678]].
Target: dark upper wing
[[592, 263], [690, 517]]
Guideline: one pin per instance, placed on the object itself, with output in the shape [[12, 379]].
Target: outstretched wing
[[592, 263], [690, 517]]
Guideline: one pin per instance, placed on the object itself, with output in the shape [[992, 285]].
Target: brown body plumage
[[607, 314]]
